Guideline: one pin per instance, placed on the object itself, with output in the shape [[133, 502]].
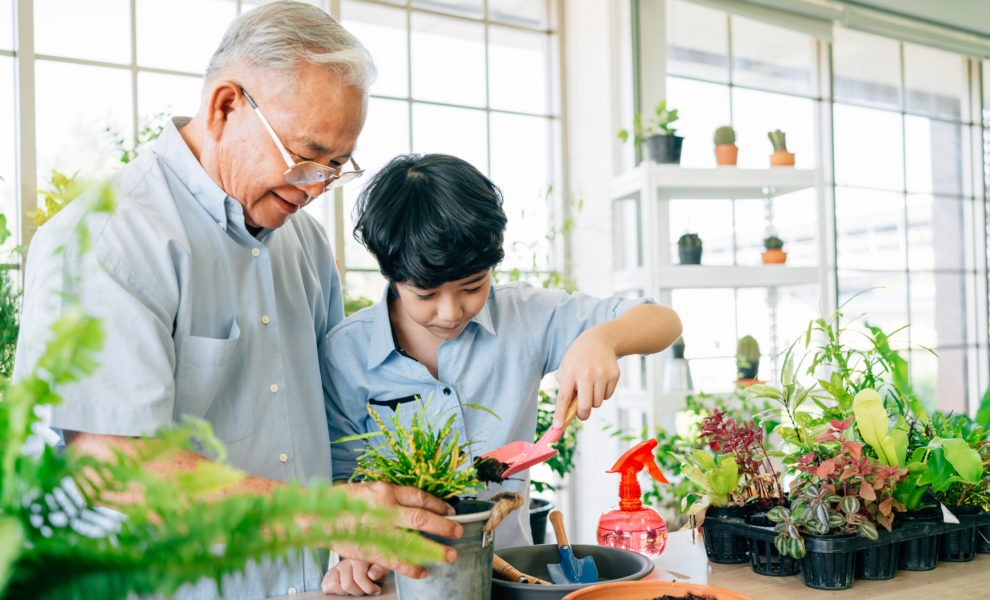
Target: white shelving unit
[[644, 266]]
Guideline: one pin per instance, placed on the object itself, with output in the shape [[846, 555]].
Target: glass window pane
[[173, 95], [467, 8], [869, 228], [938, 233], [461, 132], [517, 140], [924, 377], [713, 375], [882, 298], [934, 156], [697, 41], [709, 320], [6, 24], [753, 317], [796, 220], [383, 32], [868, 147], [8, 162], [60, 26], [867, 69], [773, 58], [385, 135], [363, 284], [702, 108], [711, 220], [524, 13], [757, 113], [936, 81], [517, 70], [181, 35], [448, 60], [751, 225], [938, 309], [72, 135]]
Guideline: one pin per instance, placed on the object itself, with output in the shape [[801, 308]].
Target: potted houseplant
[[774, 255], [658, 136], [720, 481], [780, 157], [726, 151], [428, 455], [561, 463], [747, 359], [689, 249]]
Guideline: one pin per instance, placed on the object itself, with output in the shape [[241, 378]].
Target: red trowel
[[523, 455]]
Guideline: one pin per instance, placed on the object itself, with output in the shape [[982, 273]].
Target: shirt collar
[[183, 163], [484, 318]]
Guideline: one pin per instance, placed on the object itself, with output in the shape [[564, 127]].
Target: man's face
[[316, 118], [446, 310]]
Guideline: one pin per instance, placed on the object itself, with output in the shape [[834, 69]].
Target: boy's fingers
[[564, 396], [599, 395], [586, 391], [378, 573], [364, 583], [414, 498], [331, 583], [610, 388]]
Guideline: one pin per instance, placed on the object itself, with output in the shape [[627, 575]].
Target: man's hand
[[590, 371]]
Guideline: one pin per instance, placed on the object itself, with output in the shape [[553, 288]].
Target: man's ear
[[224, 98]]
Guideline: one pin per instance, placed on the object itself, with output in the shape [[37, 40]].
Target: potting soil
[[690, 596], [490, 470]]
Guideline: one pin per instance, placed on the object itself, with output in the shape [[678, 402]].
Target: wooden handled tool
[[571, 569], [520, 456], [506, 572]]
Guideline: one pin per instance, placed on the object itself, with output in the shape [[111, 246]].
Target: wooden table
[[954, 581]]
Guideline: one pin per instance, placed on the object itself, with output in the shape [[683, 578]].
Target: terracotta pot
[[726, 154], [648, 590], [782, 158], [774, 257]]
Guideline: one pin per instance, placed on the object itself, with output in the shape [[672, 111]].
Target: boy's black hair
[[430, 219]]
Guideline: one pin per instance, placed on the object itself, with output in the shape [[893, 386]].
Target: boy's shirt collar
[[383, 343]]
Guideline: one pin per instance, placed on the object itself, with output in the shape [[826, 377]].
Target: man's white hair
[[282, 35]]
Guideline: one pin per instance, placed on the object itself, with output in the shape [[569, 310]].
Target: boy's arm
[[590, 368]]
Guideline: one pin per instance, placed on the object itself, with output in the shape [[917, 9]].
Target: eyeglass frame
[[332, 178]]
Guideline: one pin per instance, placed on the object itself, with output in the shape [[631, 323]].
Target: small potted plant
[[780, 157], [774, 254], [747, 359], [726, 151], [689, 249], [658, 137], [720, 481]]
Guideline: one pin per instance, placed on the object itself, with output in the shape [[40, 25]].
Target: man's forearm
[[643, 329], [102, 447]]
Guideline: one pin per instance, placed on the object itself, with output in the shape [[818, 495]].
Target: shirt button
[[446, 391], [220, 224], [255, 252], [284, 457], [292, 591], [265, 319], [274, 388]]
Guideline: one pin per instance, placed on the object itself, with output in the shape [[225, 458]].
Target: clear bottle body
[[643, 530]]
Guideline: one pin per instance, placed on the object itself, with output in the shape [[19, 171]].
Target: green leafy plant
[[689, 240], [978, 494], [426, 455], [151, 127], [720, 481], [62, 190], [779, 140], [352, 305], [9, 312], [660, 125], [561, 463], [725, 135], [773, 243]]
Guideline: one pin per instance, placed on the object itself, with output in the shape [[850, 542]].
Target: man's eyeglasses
[[306, 173]]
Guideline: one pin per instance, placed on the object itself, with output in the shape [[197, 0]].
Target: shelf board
[[698, 276], [674, 181]]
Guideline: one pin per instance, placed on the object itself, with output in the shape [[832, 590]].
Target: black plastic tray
[[908, 531]]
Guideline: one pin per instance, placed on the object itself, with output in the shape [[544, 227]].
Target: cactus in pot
[[774, 255], [747, 358], [726, 151], [780, 157], [689, 249]]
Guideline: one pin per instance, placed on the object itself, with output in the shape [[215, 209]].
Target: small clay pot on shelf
[[726, 155], [774, 257]]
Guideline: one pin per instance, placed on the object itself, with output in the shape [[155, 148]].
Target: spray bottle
[[631, 525]]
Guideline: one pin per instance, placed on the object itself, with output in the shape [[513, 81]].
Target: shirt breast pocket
[[207, 387], [405, 407]]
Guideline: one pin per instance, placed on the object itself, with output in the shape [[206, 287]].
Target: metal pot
[[539, 509]]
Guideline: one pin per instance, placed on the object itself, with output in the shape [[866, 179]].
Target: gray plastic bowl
[[614, 564]]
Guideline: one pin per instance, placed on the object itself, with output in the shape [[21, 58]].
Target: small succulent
[[725, 135], [773, 243], [778, 139], [689, 240], [748, 351]]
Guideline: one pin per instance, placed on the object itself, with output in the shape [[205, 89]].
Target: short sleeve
[[345, 410], [554, 319]]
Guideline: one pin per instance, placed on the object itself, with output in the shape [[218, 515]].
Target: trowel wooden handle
[[571, 412], [557, 520], [507, 572]]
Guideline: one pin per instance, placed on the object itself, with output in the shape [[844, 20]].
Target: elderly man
[[214, 286]]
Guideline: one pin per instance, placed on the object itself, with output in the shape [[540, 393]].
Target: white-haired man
[[214, 287]]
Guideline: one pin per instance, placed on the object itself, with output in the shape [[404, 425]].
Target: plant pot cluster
[[833, 562]]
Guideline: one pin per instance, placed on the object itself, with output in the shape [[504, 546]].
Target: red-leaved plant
[[745, 444]]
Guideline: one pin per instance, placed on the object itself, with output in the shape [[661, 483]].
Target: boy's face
[[446, 310]]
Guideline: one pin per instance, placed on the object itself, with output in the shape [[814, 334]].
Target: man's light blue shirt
[[498, 361], [202, 318]]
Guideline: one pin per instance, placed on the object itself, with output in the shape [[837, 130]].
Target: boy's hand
[[590, 371], [354, 578]]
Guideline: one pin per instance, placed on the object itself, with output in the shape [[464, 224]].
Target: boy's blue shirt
[[498, 361]]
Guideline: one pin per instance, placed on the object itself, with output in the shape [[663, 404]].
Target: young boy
[[436, 226]]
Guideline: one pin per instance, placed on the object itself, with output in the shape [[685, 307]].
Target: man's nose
[[313, 190]]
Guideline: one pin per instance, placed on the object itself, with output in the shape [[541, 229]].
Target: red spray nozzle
[[636, 459]]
